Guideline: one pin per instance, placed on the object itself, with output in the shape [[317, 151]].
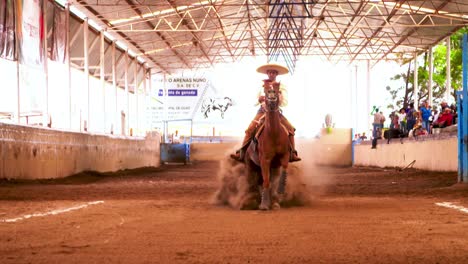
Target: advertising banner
[[7, 29], [30, 32], [59, 35], [180, 96]]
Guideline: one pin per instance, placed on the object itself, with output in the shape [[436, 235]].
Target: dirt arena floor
[[168, 215]]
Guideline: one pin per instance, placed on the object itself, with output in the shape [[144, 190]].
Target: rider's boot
[[240, 153], [293, 157]]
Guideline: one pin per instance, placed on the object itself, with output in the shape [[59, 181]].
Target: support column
[[431, 70], [448, 75], [145, 97], [18, 82], [67, 34], [416, 85], [86, 72], [368, 92], [150, 101], [103, 80], [114, 86], [127, 115], [356, 119], [46, 115], [135, 93]]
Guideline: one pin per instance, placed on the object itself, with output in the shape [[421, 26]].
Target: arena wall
[[434, 153], [39, 153], [329, 149], [212, 151]]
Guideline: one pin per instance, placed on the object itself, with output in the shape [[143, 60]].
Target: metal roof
[[171, 35]]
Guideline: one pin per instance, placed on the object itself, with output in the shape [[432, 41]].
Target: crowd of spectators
[[411, 122]]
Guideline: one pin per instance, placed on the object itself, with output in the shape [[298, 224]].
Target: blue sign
[[182, 92]]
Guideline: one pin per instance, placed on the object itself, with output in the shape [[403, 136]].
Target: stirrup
[[238, 156], [293, 156]]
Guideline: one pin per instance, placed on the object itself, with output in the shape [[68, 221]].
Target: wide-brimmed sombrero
[[272, 66]]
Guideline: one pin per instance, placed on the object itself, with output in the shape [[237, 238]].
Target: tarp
[[59, 35], [30, 32], [7, 29]]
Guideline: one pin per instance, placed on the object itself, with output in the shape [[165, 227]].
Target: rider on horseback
[[271, 70]]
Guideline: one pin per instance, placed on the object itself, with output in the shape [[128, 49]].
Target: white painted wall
[[433, 153], [41, 153], [330, 149]]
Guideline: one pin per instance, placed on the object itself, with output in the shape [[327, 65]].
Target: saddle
[[261, 126]]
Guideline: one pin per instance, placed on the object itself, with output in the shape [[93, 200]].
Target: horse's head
[[228, 101], [271, 90]]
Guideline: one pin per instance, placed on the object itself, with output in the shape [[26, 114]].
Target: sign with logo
[[177, 98]]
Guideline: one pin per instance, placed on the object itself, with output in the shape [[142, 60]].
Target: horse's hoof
[[252, 205], [276, 206], [263, 208]]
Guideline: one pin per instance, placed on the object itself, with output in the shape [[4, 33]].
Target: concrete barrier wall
[[330, 149], [212, 151], [38, 153], [434, 153]]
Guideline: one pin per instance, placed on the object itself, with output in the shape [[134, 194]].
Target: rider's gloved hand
[[261, 99]]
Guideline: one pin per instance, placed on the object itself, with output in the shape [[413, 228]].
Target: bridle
[[271, 100]]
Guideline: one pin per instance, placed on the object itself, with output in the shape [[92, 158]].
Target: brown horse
[[272, 150]]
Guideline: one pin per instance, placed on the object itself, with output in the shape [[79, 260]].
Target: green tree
[[402, 95]]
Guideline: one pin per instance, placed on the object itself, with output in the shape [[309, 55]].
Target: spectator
[[363, 137], [454, 113], [394, 123], [379, 120], [445, 119], [357, 138], [176, 137], [410, 118], [402, 120], [425, 110], [443, 105], [435, 115]]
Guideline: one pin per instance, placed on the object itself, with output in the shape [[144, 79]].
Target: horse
[[271, 151], [213, 104]]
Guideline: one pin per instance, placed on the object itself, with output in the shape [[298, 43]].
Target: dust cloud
[[305, 182]]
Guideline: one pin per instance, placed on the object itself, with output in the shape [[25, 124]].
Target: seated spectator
[[357, 138], [363, 137], [444, 120], [443, 105], [454, 113]]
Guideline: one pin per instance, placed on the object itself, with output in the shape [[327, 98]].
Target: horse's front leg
[[266, 192]]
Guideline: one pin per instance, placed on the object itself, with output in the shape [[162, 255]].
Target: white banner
[[176, 99], [31, 33]]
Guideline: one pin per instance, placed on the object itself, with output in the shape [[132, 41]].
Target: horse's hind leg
[[275, 199], [282, 182], [283, 177], [266, 199]]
